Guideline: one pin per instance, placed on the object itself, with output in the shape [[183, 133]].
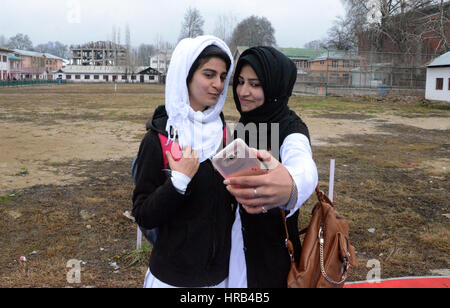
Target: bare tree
[[224, 26], [253, 31], [55, 48], [192, 25], [20, 41], [144, 52], [402, 23], [3, 40], [163, 51], [316, 44], [341, 36]]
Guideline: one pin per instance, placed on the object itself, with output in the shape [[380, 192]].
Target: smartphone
[[238, 160]]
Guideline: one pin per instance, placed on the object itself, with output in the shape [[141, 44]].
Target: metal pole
[[331, 184]]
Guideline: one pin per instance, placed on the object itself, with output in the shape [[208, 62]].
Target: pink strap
[[175, 149], [172, 147]]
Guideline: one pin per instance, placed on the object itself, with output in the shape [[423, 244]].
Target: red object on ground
[[404, 282]]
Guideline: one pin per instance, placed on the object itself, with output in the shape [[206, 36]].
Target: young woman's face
[[207, 84], [249, 89]]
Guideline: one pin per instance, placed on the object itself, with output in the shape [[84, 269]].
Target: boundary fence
[[25, 83], [340, 73]]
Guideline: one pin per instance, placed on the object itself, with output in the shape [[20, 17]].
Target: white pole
[[331, 185], [139, 239]]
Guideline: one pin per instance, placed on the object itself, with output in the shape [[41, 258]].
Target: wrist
[[293, 197]]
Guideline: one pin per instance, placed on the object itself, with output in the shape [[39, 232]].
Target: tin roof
[[13, 57], [90, 69], [5, 50], [301, 53], [36, 54], [443, 60]]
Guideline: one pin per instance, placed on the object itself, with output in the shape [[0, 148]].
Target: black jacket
[[194, 239], [266, 255]]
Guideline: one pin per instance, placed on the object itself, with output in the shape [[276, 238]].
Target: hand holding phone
[[237, 159]]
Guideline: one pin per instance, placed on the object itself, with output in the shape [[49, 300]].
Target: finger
[[253, 153], [187, 151], [264, 155], [251, 202], [252, 210], [270, 161], [246, 193], [247, 181], [194, 154]]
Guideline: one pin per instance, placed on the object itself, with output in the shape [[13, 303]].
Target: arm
[[297, 157], [155, 198], [274, 189]]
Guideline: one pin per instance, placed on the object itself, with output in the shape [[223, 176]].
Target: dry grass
[[376, 187]]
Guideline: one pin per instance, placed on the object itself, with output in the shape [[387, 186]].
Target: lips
[[245, 101]]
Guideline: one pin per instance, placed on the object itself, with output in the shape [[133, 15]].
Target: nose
[[218, 83], [244, 90]]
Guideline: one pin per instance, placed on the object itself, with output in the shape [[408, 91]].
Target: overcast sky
[[296, 22]]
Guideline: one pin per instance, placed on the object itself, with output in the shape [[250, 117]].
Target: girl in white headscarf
[[191, 207]]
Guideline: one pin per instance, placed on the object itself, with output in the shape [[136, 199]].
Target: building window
[[335, 63], [96, 77], [346, 63], [124, 77], [439, 83], [77, 77], [449, 84], [68, 76], [105, 77], [87, 77], [322, 62]]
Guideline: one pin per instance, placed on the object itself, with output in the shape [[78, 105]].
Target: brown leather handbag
[[326, 254]]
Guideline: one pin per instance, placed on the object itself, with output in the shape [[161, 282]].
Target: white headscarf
[[200, 130]]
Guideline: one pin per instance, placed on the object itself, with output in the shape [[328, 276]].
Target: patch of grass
[[6, 199], [138, 256]]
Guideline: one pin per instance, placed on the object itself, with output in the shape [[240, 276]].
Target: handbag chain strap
[[322, 265], [346, 265]]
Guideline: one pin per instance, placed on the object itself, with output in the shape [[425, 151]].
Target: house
[[238, 53], [38, 65], [161, 62], [438, 79], [334, 63], [4, 63], [97, 74], [101, 53], [15, 67], [301, 57]]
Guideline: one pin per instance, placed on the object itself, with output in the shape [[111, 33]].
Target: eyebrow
[[250, 79], [213, 71]]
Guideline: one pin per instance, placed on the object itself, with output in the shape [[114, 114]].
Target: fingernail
[[226, 182]]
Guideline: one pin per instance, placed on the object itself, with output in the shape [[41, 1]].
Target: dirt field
[[65, 156]]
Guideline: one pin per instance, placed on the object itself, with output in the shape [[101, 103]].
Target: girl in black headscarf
[[263, 82]]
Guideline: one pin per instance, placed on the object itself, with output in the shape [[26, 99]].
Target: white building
[[4, 63], [97, 74], [160, 62], [438, 79]]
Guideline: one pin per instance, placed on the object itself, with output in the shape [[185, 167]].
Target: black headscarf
[[277, 74]]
